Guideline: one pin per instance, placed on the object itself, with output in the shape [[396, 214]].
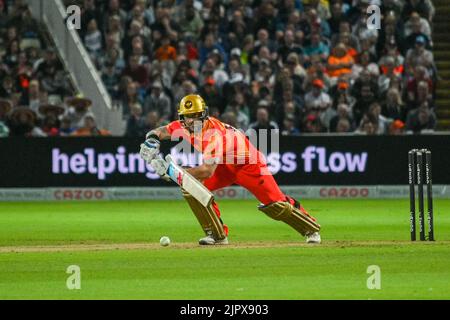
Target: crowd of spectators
[[36, 95], [302, 66]]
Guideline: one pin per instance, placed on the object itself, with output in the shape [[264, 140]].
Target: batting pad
[[284, 211], [206, 216]]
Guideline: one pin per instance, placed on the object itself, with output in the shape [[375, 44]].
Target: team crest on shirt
[[188, 104]]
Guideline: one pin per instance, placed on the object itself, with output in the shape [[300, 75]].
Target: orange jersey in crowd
[[166, 53], [219, 142], [333, 60]]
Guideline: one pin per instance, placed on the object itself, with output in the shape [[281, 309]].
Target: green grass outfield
[[116, 245]]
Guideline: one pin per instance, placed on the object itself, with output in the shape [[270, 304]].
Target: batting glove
[[160, 166], [149, 149]]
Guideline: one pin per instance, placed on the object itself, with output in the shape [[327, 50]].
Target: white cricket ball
[[164, 241]]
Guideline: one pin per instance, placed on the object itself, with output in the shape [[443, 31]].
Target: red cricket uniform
[[238, 161]]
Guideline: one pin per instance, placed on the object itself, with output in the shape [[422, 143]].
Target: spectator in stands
[[23, 123], [394, 107], [4, 69], [312, 124], [368, 126], [263, 40], [139, 28], [182, 90], [209, 44], [262, 121], [424, 7], [7, 88], [339, 62], [419, 55], [235, 66], [291, 103], [289, 127], [4, 130], [289, 46], [93, 40], [264, 74], [5, 109], [416, 26], [3, 16], [316, 47], [211, 70], [211, 95], [51, 74], [115, 28], [337, 16], [322, 8], [153, 121], [421, 120], [50, 60], [158, 101], [392, 5], [130, 97], [12, 54], [341, 93], [239, 107], [50, 123], [191, 24], [236, 29], [166, 51], [396, 128], [229, 117], [316, 100], [296, 71], [65, 128], [382, 122], [137, 72], [365, 79], [265, 17], [345, 31], [164, 25], [421, 74], [90, 11], [90, 129], [343, 126], [342, 121], [391, 52], [137, 49], [114, 10], [111, 79], [135, 123], [78, 110], [423, 97], [316, 70], [312, 23], [388, 74], [364, 99], [112, 52]]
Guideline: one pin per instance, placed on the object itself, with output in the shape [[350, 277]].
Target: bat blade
[[186, 181]]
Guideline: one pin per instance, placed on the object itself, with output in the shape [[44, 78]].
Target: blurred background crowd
[[300, 66]]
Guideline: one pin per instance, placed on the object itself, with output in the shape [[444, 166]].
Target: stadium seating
[[312, 66]]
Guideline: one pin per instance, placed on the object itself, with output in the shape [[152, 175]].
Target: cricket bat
[[186, 181]]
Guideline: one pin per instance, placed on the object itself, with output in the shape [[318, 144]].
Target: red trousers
[[256, 178]]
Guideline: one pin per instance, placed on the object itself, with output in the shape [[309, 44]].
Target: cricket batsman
[[228, 158]]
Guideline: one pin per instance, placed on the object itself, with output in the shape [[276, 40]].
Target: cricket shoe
[[314, 238], [209, 241]]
